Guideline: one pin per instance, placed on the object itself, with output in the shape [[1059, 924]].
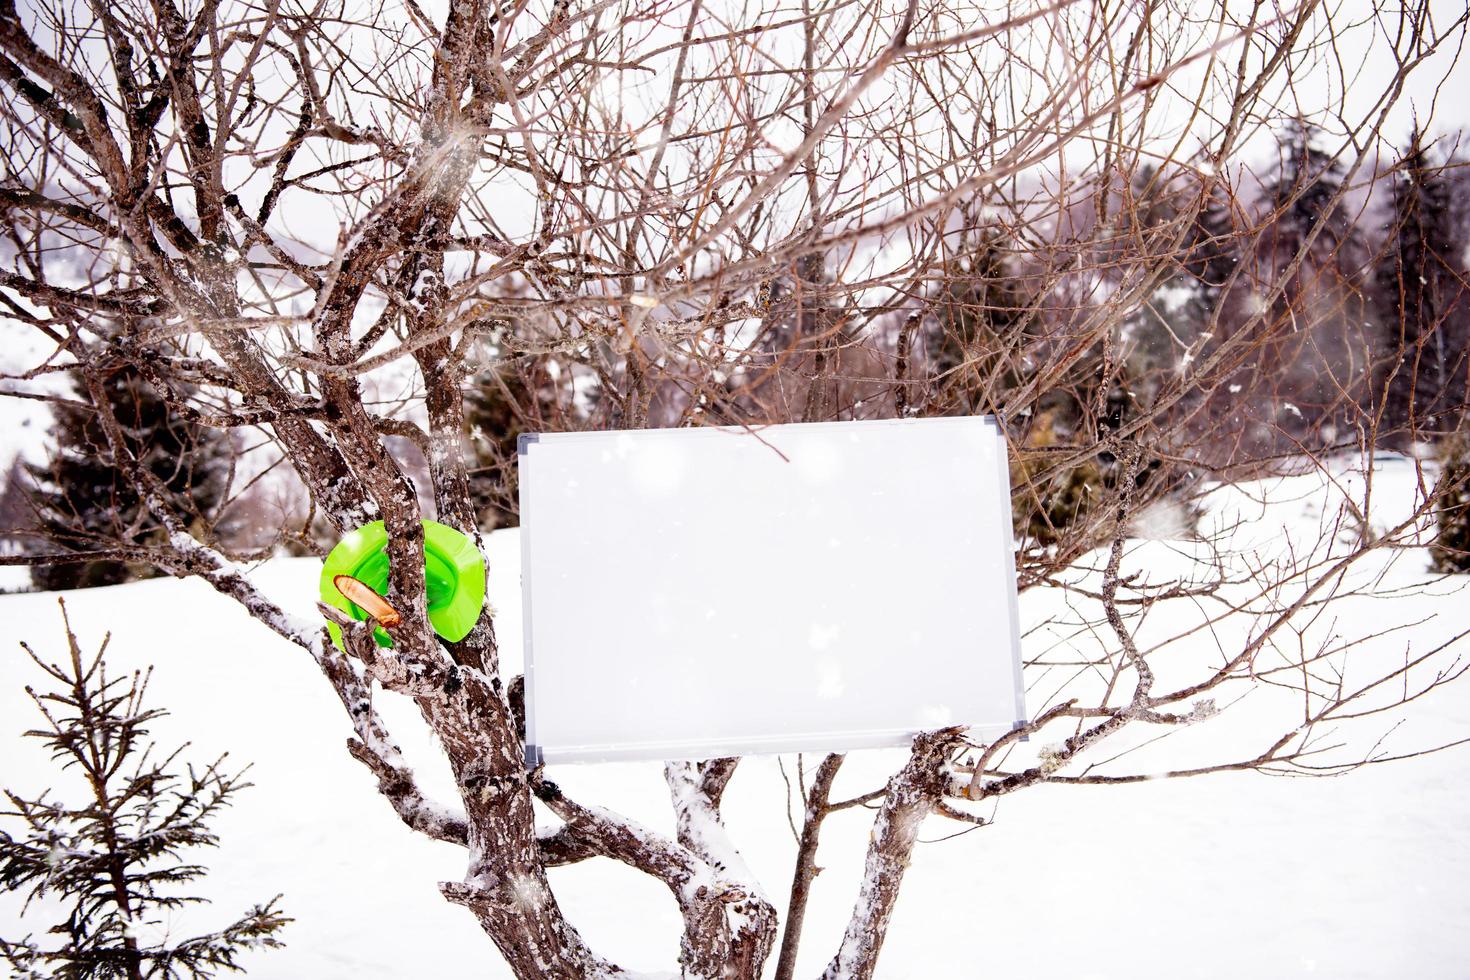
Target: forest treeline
[[1299, 309]]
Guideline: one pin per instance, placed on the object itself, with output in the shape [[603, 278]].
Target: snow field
[[1363, 875]]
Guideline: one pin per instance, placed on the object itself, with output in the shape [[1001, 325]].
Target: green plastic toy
[[454, 574]]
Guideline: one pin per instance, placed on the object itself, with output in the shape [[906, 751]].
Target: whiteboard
[[703, 592]]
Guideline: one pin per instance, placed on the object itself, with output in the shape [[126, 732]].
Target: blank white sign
[[692, 593]]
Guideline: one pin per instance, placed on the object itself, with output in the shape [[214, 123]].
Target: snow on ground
[[1364, 875], [23, 435]]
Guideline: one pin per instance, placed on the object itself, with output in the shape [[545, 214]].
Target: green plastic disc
[[454, 575]]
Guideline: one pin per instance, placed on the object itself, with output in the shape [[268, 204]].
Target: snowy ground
[[1366, 875]]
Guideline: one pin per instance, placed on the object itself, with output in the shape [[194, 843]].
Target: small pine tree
[[1450, 551], [113, 857], [82, 501]]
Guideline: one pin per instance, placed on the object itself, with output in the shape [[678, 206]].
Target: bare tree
[[316, 224]]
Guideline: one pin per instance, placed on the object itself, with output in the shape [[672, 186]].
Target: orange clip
[[368, 600]]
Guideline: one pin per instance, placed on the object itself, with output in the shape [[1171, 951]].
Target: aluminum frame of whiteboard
[[680, 748]]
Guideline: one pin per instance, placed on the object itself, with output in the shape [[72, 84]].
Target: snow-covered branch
[[704, 895], [911, 795], [696, 789]]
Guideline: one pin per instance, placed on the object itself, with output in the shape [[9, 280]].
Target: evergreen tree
[[501, 403], [1154, 337], [1214, 251], [983, 335], [821, 330], [113, 856], [1193, 231], [1044, 509], [796, 353], [83, 501], [980, 315], [1450, 551], [1416, 284], [1305, 190], [1316, 321]]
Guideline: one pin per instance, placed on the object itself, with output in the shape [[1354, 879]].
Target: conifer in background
[[981, 314], [1450, 551], [1311, 259], [987, 321], [500, 404], [1416, 288], [1305, 190], [1167, 218], [113, 854], [80, 499], [1176, 329], [1213, 254]]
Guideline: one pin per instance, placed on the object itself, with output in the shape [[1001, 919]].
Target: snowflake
[[527, 893]]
